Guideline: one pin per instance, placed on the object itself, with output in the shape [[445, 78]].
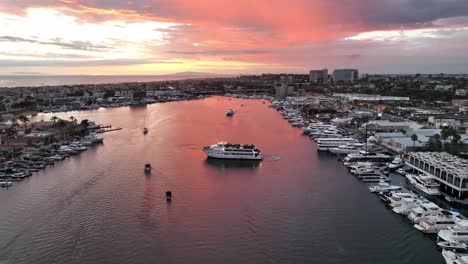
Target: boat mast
[[366, 137]]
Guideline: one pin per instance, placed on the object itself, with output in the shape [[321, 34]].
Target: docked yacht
[[454, 246], [366, 156], [324, 144], [456, 234], [401, 171], [396, 198], [329, 133], [423, 212], [229, 112], [436, 223], [357, 165], [318, 127], [451, 257], [363, 170], [396, 163], [383, 186], [406, 205], [225, 150], [94, 138], [424, 183], [347, 149], [5, 183]]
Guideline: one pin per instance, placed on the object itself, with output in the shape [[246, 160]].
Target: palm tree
[[444, 134], [455, 138], [54, 118], [23, 119], [414, 137], [14, 122], [73, 120]]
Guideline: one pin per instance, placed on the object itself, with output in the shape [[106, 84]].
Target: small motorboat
[[168, 196], [457, 246], [147, 168], [145, 130], [383, 186], [6, 183], [229, 112], [386, 172]]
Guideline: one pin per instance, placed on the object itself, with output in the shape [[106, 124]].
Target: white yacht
[[318, 127], [451, 257], [424, 183], [401, 171], [383, 186], [324, 144], [436, 223], [329, 133], [396, 198], [406, 205], [456, 234], [423, 212], [454, 246], [347, 149], [372, 177], [366, 156], [396, 163], [357, 165], [225, 150], [363, 170], [5, 183]]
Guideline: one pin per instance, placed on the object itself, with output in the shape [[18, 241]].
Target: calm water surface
[[295, 207]]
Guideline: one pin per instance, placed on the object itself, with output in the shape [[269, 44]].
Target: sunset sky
[[226, 36]]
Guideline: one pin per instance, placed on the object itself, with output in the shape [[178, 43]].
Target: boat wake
[[268, 158]]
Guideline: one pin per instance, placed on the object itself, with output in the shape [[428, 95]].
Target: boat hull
[[216, 155]]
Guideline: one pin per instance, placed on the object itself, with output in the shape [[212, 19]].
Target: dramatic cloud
[[238, 36]]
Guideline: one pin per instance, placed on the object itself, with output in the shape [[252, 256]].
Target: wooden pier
[[108, 128]]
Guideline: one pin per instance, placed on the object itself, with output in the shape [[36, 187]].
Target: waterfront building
[[385, 125], [460, 102], [449, 120], [283, 89], [318, 75], [449, 170], [461, 92], [345, 75]]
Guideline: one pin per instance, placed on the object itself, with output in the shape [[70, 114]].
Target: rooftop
[[450, 163]]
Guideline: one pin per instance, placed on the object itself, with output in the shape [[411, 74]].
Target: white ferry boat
[[425, 184], [325, 144], [225, 150]]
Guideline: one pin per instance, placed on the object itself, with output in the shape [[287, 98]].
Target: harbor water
[[296, 206]]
